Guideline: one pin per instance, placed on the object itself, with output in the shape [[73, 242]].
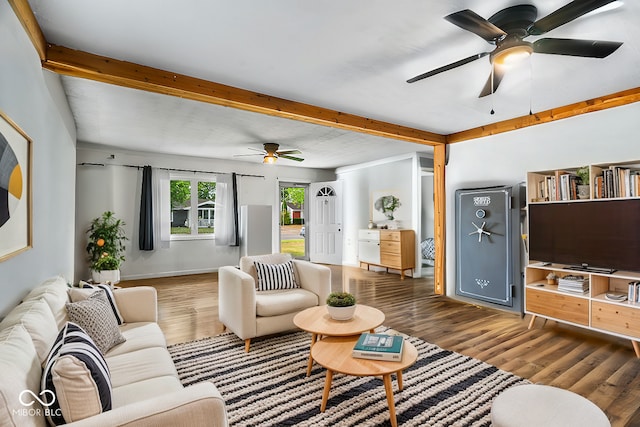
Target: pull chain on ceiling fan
[[507, 30]]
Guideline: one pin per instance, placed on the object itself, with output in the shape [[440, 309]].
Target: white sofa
[[146, 390], [250, 313]]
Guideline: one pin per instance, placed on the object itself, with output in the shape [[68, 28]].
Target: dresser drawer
[[389, 246], [390, 260], [557, 305], [616, 318], [390, 235]]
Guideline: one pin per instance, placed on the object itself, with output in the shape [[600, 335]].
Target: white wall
[[34, 100], [606, 136], [118, 189]]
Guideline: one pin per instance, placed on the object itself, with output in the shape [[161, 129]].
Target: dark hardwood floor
[[600, 367]]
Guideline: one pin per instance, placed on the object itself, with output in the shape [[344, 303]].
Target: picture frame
[[15, 189], [376, 215]]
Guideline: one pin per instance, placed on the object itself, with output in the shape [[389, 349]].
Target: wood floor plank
[[597, 366]]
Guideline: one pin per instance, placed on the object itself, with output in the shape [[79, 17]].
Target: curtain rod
[[166, 169]]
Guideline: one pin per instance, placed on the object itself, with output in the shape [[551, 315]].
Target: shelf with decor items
[[591, 309], [605, 181]]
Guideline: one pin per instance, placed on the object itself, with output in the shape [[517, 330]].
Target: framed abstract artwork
[[15, 189]]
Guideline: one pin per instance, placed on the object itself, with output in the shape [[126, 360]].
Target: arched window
[[326, 191]]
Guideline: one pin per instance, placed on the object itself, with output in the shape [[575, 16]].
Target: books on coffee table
[[379, 347]]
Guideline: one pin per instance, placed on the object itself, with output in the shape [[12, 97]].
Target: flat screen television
[[600, 234]]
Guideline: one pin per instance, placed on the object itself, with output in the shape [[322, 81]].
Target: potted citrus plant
[[106, 247], [341, 305]]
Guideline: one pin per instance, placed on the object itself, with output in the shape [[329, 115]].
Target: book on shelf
[[617, 181], [379, 347], [634, 292], [573, 283]]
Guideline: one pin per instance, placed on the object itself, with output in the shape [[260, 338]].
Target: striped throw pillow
[[275, 276], [76, 376], [112, 300]]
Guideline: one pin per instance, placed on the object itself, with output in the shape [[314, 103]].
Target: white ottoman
[[534, 405]]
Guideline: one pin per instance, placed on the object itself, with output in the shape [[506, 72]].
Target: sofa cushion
[[139, 335], [78, 375], [95, 316], [54, 292], [20, 370], [140, 365], [145, 389], [275, 303], [275, 276], [38, 320]]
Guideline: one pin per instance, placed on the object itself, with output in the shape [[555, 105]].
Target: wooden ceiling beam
[[28, 20], [77, 63], [597, 104]]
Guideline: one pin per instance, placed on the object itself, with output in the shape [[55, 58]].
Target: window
[[192, 200]]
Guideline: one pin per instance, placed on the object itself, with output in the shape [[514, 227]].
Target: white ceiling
[[352, 56]]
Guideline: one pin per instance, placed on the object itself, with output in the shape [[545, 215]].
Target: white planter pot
[[104, 276], [341, 313]]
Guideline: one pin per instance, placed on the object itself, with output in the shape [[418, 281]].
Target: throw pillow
[[112, 299], [76, 377], [94, 315], [275, 276]]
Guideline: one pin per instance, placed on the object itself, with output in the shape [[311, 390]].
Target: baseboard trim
[[167, 274]]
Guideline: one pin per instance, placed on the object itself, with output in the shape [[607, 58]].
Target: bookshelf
[[592, 309], [606, 181]]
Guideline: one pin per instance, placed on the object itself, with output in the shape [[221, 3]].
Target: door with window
[[325, 222], [292, 219]]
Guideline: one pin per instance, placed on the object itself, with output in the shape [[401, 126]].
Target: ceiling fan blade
[[280, 153], [245, 155], [498, 74], [574, 47], [566, 13], [258, 149], [297, 159], [448, 67], [471, 21]]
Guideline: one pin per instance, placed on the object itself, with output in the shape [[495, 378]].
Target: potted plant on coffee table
[[106, 248], [341, 305]]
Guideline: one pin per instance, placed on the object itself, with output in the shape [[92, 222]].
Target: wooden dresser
[[397, 251]]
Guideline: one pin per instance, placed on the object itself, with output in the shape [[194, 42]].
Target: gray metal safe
[[489, 255]]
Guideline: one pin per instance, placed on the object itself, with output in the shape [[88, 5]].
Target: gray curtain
[[145, 238]]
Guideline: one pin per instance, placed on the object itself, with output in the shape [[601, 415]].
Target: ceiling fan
[[271, 153], [508, 28]]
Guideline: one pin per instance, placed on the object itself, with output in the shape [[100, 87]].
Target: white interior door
[[325, 222]]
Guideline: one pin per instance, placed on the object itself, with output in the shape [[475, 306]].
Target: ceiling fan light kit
[[508, 28], [271, 153]]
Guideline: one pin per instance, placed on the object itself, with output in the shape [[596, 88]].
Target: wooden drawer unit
[[591, 309], [397, 250], [558, 306], [616, 318]]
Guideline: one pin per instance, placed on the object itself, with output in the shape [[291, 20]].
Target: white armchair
[[250, 313]]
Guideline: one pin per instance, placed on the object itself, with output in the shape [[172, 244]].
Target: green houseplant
[[583, 186], [106, 247], [341, 305]]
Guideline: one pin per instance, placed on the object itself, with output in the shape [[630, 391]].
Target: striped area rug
[[268, 386]]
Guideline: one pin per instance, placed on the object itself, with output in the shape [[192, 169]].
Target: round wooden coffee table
[[334, 353], [319, 323]]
